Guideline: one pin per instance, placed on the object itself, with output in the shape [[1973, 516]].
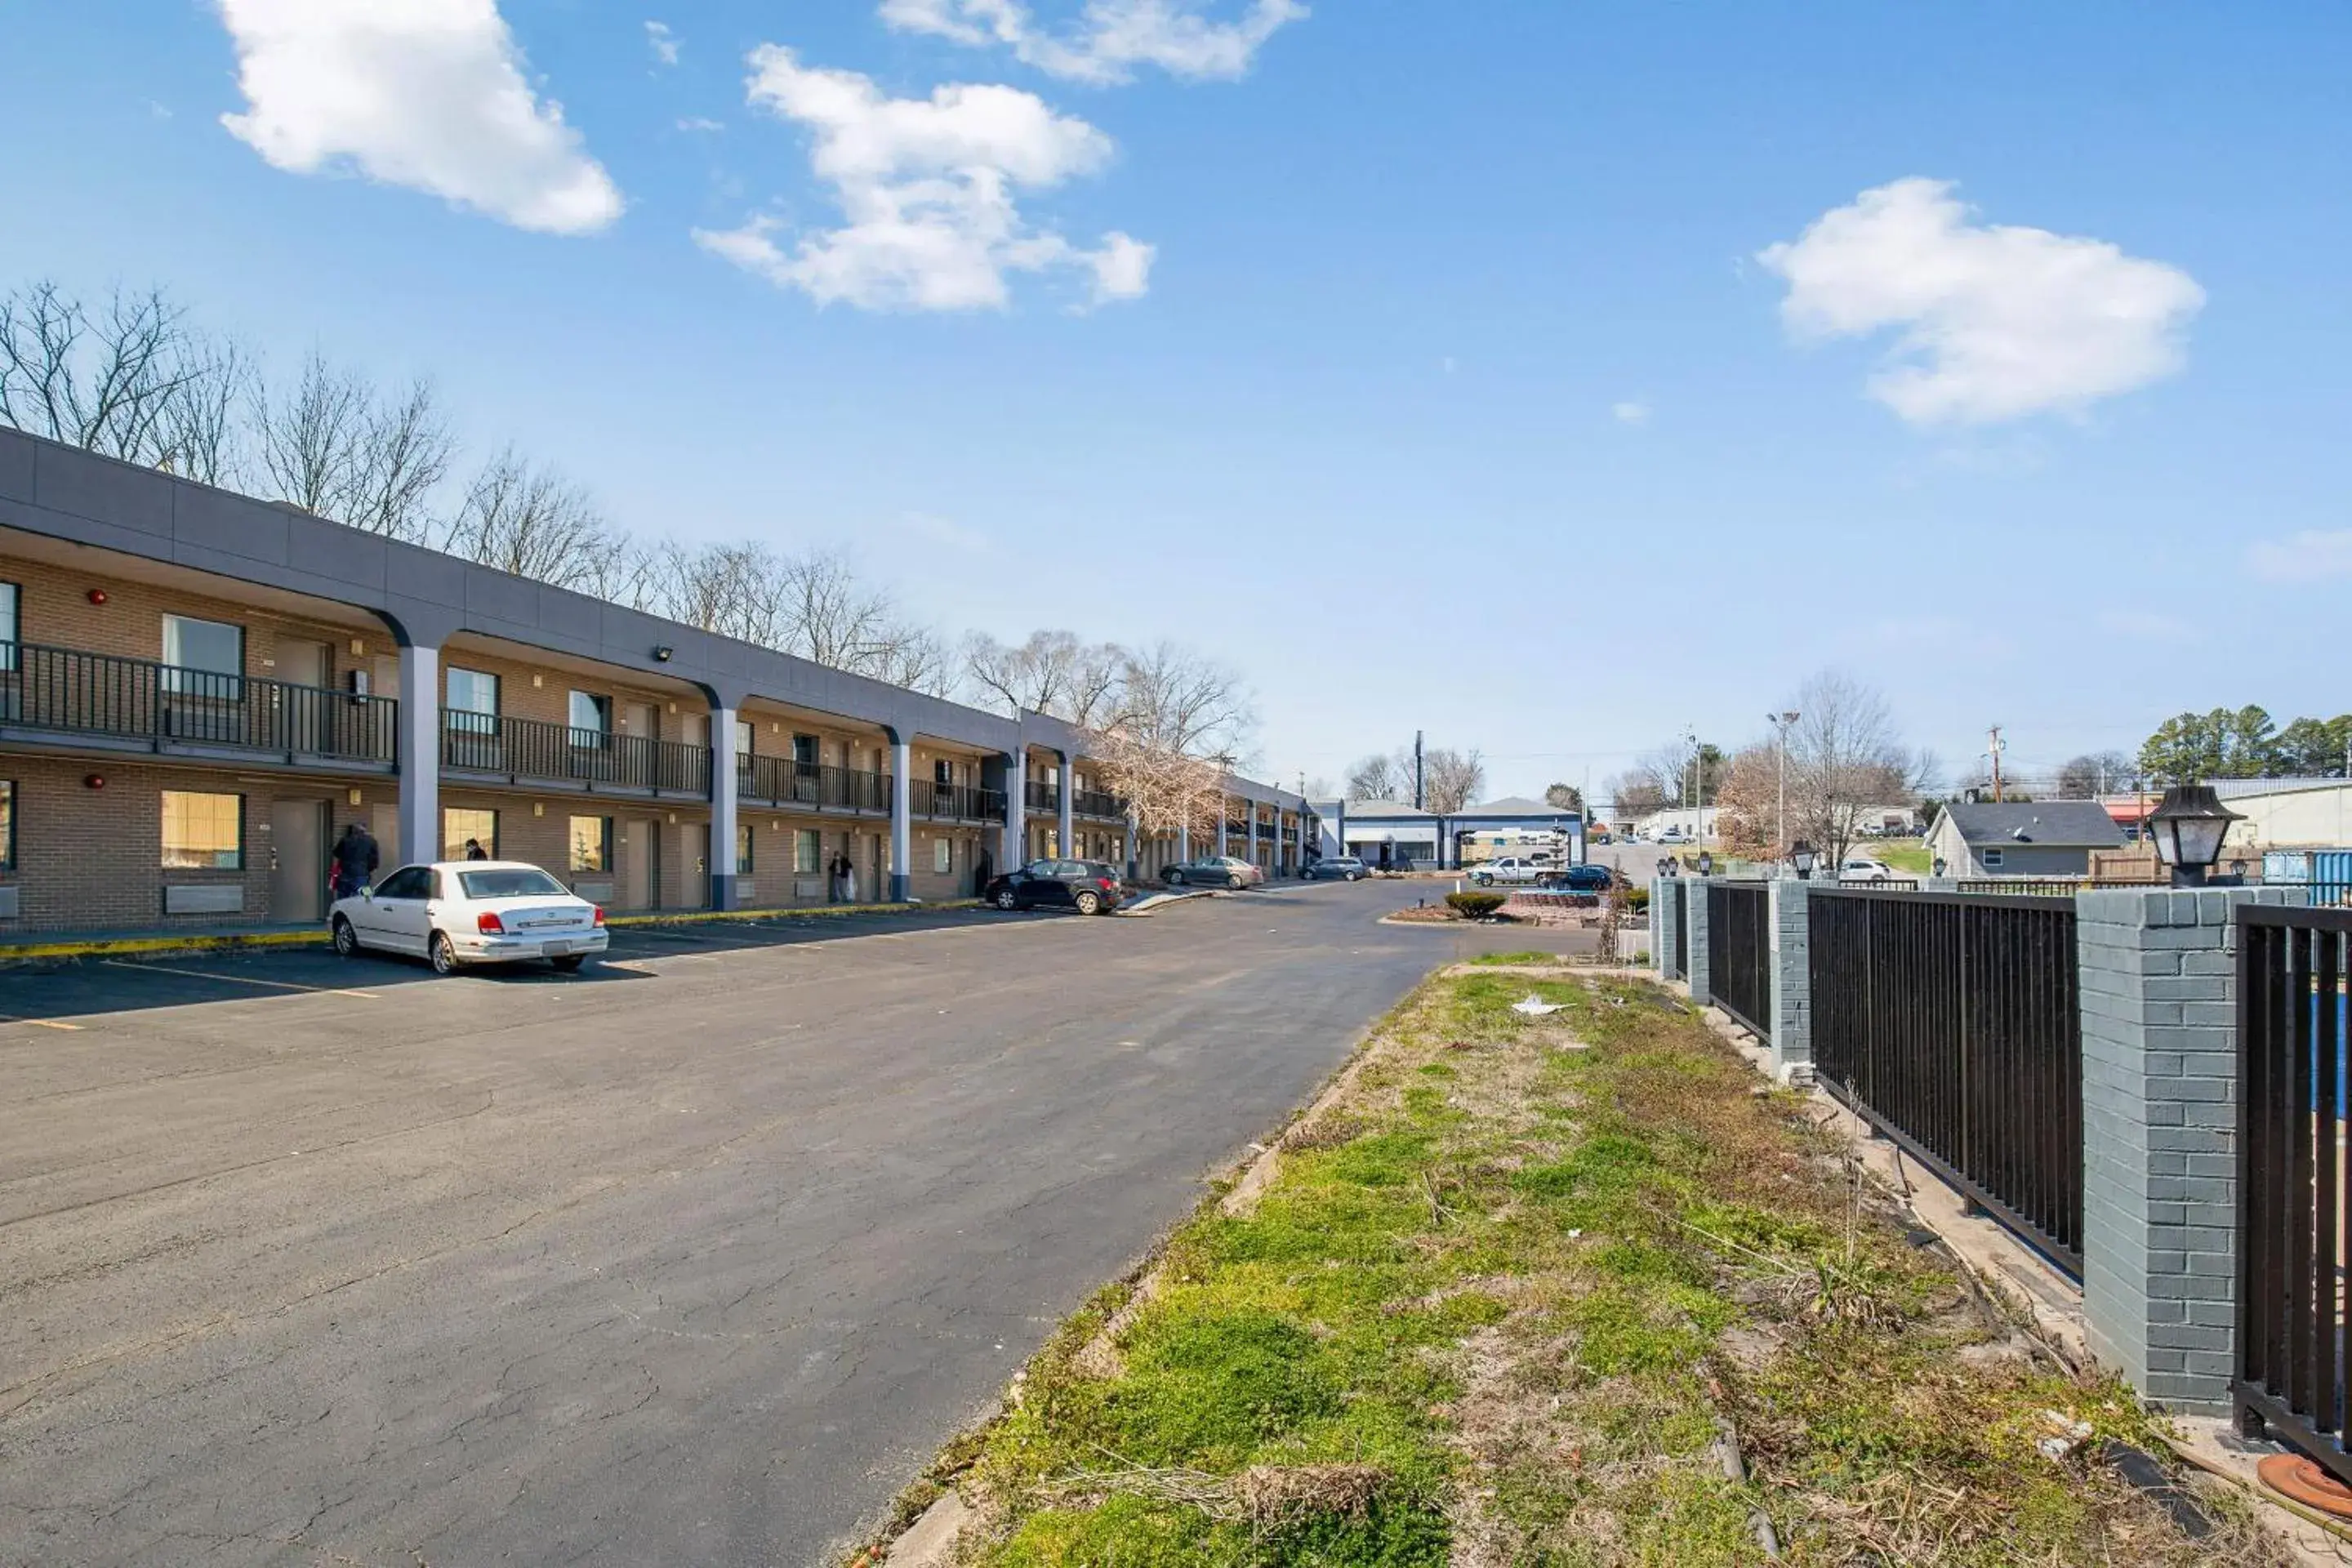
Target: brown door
[[297, 861], [305, 716], [639, 874]]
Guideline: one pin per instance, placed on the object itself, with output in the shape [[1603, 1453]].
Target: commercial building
[[198, 690]]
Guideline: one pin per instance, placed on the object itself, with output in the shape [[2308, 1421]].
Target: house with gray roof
[[2022, 838]]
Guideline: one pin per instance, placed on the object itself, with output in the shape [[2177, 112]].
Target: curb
[[223, 941], [1144, 908]]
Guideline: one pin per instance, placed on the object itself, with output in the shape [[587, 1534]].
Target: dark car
[[1583, 879], [1089, 886], [1343, 867]]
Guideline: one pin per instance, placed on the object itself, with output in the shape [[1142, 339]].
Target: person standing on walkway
[[355, 859]]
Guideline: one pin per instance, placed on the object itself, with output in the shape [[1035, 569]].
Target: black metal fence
[[1953, 1024], [1042, 796], [1097, 803], [2022, 887], [529, 749], [1739, 952], [66, 690], [2293, 965], [955, 803]]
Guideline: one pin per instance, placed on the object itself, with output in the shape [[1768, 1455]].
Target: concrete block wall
[[1792, 979], [1663, 891], [2159, 1135], [1695, 890]]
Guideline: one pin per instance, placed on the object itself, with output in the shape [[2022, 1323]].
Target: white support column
[[1184, 844], [1012, 842], [420, 755], [1130, 869], [1224, 814], [902, 831], [1065, 841], [722, 808]]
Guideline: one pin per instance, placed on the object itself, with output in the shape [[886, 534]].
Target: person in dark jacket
[[474, 850], [355, 859]]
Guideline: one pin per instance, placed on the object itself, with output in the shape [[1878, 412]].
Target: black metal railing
[[72, 692], [1679, 891], [1042, 796], [531, 749], [1953, 1023], [955, 803], [2293, 965], [781, 781], [1739, 952], [2022, 887], [1097, 802]]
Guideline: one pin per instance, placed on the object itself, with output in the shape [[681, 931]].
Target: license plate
[[555, 948]]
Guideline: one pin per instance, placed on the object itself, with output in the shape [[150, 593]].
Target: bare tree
[[109, 383], [1451, 779], [1317, 788], [1843, 757], [1053, 672], [1376, 777], [1184, 702], [2087, 777], [915, 658], [1638, 791], [530, 521], [330, 446], [202, 432], [1167, 790]]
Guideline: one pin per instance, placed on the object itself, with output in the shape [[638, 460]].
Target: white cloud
[[429, 94], [1111, 40], [2302, 557], [928, 186], [1996, 321], [699, 123], [1633, 411], [663, 42]]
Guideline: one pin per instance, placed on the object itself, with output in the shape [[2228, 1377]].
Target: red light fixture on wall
[[93, 780], [98, 595]]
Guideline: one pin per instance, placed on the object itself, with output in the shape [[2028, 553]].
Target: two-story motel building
[[199, 689]]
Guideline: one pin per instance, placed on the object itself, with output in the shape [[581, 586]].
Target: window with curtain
[[806, 851], [7, 826], [203, 659], [203, 832], [943, 856], [591, 844], [459, 824], [10, 633], [472, 698], [743, 840]]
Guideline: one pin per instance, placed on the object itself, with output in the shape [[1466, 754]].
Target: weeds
[[1496, 1307]]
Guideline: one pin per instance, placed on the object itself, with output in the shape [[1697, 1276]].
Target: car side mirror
[[368, 893]]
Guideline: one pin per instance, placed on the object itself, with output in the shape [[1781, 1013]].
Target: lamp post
[[1707, 863], [1781, 721], [2190, 827], [1939, 865], [1801, 856]]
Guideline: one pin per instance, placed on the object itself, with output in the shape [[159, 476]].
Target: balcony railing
[[171, 706], [780, 781], [1043, 796], [1099, 803], [955, 803], [529, 749]]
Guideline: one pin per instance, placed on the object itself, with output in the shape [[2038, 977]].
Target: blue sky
[[1458, 391]]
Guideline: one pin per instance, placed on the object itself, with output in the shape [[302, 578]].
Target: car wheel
[[444, 954], [1088, 902], [570, 964], [1007, 899], [1175, 879], [1233, 884], [347, 940], [1483, 881]]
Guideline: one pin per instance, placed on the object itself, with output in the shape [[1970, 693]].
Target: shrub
[[1637, 899], [1475, 906]]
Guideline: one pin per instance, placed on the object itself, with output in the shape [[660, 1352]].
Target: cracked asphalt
[[696, 1259]]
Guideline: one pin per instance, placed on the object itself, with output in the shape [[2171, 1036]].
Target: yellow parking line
[[245, 980], [37, 1023]]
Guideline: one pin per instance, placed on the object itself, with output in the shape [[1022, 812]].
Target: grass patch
[[1519, 958], [1903, 853], [1491, 1309]]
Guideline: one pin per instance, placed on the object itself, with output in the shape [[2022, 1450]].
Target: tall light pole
[[1781, 721]]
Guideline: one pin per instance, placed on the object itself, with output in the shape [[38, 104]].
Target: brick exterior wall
[[2159, 1136], [54, 608]]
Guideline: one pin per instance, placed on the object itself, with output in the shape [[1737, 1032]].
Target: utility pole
[[1994, 751], [1781, 721], [1418, 803]]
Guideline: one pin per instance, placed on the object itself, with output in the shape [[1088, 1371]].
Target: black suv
[[1089, 886]]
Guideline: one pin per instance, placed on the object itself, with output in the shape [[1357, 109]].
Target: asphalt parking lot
[[694, 1257]]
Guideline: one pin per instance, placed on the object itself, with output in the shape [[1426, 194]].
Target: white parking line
[[245, 980]]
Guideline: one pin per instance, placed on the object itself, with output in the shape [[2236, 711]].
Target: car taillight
[[488, 924], [1105, 883], [600, 914]]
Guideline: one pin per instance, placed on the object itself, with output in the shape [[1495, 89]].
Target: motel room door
[[297, 861]]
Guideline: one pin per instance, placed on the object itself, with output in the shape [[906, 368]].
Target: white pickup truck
[[1510, 870]]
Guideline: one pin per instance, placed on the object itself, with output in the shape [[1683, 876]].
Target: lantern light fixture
[[2189, 826], [1801, 855]]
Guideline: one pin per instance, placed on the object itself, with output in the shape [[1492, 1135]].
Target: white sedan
[[457, 912]]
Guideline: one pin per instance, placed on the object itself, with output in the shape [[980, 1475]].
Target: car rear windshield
[[523, 882]]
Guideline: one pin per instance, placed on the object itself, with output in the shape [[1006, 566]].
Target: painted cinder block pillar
[[1663, 891], [419, 756], [2159, 1136], [1791, 905], [1695, 890]]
